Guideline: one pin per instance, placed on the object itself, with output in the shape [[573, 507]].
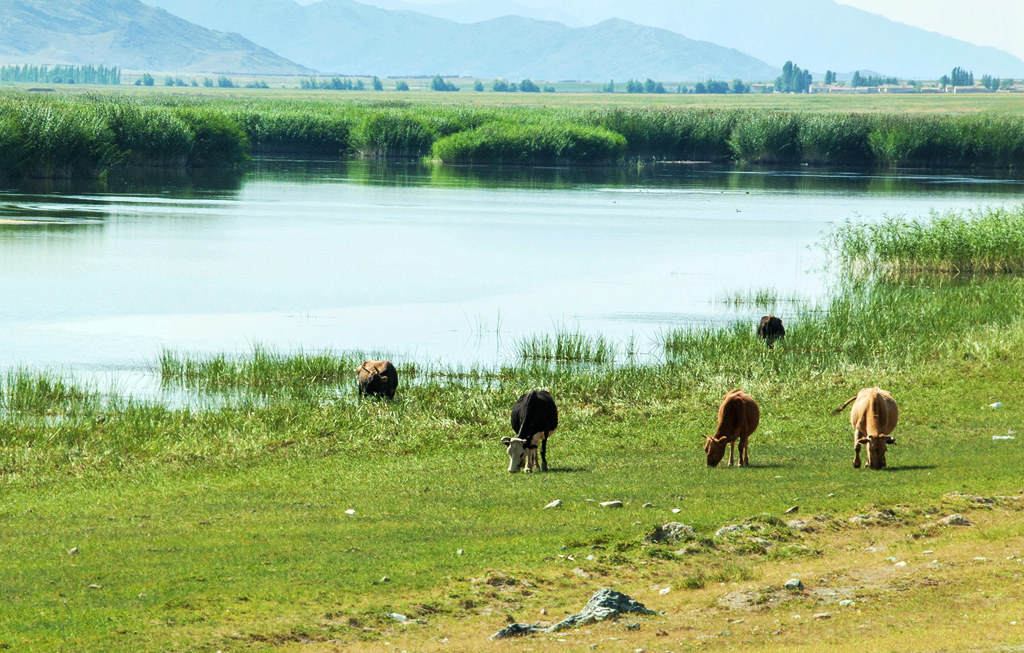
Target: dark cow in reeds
[[873, 416], [377, 379], [770, 329], [738, 417], [534, 419]]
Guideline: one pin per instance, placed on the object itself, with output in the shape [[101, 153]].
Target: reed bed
[[983, 241], [83, 135], [532, 144], [28, 392], [566, 347], [264, 368]]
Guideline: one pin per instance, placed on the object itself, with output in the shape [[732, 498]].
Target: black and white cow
[[534, 419]]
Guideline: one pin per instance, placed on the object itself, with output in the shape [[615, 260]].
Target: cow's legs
[[744, 457], [732, 449], [856, 449], [544, 452], [531, 460]]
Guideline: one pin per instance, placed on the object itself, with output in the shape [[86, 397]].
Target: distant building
[[889, 89], [970, 89]]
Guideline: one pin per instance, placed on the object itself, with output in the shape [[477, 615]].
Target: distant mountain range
[[596, 40], [343, 36], [125, 33], [818, 35]]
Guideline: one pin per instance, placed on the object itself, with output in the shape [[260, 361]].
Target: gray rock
[[557, 503], [823, 615], [670, 532], [605, 604], [731, 529], [610, 504], [794, 584], [846, 603], [793, 510], [400, 618], [73, 551], [385, 579], [955, 520], [648, 505], [799, 525]]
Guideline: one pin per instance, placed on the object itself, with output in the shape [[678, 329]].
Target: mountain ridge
[[825, 36], [127, 34], [396, 43]]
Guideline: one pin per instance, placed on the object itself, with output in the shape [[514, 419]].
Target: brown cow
[[738, 417], [377, 378], [873, 417]]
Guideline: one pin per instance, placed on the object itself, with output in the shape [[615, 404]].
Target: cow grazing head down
[[534, 419], [738, 417], [873, 416], [377, 379], [770, 329]]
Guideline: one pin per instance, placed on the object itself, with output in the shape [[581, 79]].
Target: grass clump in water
[[264, 368], [983, 241], [566, 347]]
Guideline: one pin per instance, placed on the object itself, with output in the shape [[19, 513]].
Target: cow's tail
[[841, 408], [526, 410]]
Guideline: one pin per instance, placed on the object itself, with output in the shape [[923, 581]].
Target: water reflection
[[660, 175]]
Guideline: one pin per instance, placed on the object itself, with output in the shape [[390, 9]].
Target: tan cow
[[377, 378], [738, 417], [873, 417]]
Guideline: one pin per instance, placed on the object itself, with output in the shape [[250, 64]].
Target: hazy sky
[[998, 23]]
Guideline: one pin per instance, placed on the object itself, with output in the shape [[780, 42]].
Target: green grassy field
[[579, 95], [226, 525]]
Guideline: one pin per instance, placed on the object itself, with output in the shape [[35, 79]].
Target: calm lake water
[[409, 261]]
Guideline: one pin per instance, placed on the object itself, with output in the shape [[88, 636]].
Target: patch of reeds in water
[[545, 144], [39, 393], [982, 241], [566, 347], [265, 368]]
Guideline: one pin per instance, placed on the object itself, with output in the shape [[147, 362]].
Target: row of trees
[[222, 82], [332, 84], [859, 80], [61, 74], [793, 79]]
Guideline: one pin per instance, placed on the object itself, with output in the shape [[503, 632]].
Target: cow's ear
[[383, 379], [506, 441], [890, 440]]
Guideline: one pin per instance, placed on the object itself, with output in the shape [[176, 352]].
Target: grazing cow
[[873, 417], [738, 417], [534, 419], [770, 329], [377, 378]]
